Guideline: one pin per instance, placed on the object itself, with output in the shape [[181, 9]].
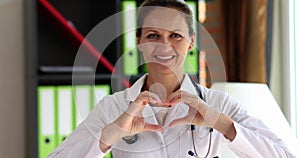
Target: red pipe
[[78, 37]]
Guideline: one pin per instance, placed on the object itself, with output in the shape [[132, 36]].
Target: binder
[[191, 61], [108, 155], [130, 52], [82, 102], [65, 112], [99, 92], [46, 120]]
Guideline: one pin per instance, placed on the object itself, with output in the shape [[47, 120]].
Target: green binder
[[130, 53], [191, 62], [108, 155], [46, 120]]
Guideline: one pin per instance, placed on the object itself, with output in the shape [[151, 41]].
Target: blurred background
[[259, 42]]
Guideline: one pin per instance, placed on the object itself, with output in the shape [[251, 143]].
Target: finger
[[154, 99], [176, 93], [184, 97], [145, 97], [153, 128], [179, 122], [179, 94], [172, 98], [134, 109]]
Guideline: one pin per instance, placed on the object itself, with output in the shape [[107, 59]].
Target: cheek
[[146, 47], [182, 50], [146, 50]]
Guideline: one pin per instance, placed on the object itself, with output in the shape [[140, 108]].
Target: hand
[[131, 121], [199, 113]]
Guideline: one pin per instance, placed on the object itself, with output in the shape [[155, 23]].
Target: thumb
[[153, 128], [179, 122]]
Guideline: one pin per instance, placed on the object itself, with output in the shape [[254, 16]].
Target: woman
[[165, 114]]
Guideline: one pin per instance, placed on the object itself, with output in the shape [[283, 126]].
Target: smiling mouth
[[164, 58]]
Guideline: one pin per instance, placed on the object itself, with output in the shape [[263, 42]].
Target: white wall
[[279, 74], [12, 128]]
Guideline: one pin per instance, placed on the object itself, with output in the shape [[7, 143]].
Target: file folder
[[130, 52], [65, 112], [82, 102], [46, 120], [108, 155], [99, 92], [191, 61]]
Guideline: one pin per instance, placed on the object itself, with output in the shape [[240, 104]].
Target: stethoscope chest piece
[[130, 139]]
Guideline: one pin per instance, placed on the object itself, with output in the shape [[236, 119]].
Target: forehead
[[167, 19]]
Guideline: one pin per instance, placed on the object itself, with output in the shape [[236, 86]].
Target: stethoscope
[[190, 152], [134, 138]]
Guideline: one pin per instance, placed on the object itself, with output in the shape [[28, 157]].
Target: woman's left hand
[[199, 114]]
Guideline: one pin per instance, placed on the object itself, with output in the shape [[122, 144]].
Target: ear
[[192, 43]]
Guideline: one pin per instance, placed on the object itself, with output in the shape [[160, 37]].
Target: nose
[[165, 40], [164, 44], [162, 47]]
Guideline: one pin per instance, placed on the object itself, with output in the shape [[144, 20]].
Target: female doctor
[[164, 113]]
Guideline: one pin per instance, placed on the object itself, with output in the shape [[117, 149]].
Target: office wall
[[11, 79], [276, 67], [279, 80]]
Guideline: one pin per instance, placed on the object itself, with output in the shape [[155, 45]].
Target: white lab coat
[[253, 138]]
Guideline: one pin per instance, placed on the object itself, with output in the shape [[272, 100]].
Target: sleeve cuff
[[97, 145], [240, 143]]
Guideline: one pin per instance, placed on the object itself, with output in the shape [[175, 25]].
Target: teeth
[[164, 57]]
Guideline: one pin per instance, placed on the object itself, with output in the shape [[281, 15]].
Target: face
[[165, 40]]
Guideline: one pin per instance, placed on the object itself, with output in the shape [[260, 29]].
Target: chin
[[163, 69]]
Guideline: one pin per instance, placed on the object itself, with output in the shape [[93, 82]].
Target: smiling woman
[[165, 113]]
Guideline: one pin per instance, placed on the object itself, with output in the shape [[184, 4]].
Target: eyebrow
[[154, 30], [151, 30]]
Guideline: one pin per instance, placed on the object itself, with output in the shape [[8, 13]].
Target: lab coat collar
[[135, 89], [187, 85]]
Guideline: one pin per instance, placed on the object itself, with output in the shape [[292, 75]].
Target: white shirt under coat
[[253, 138]]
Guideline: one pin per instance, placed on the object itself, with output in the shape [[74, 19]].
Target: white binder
[[99, 92], [65, 112], [46, 120], [82, 102]]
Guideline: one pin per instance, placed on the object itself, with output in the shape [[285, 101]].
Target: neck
[[163, 84]]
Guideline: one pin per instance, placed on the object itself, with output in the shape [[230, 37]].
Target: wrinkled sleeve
[[253, 138], [84, 140]]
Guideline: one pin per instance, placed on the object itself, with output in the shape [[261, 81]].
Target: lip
[[164, 58]]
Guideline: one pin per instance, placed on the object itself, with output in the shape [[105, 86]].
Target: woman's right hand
[[131, 121]]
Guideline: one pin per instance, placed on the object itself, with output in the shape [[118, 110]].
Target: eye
[[176, 36], [153, 36]]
